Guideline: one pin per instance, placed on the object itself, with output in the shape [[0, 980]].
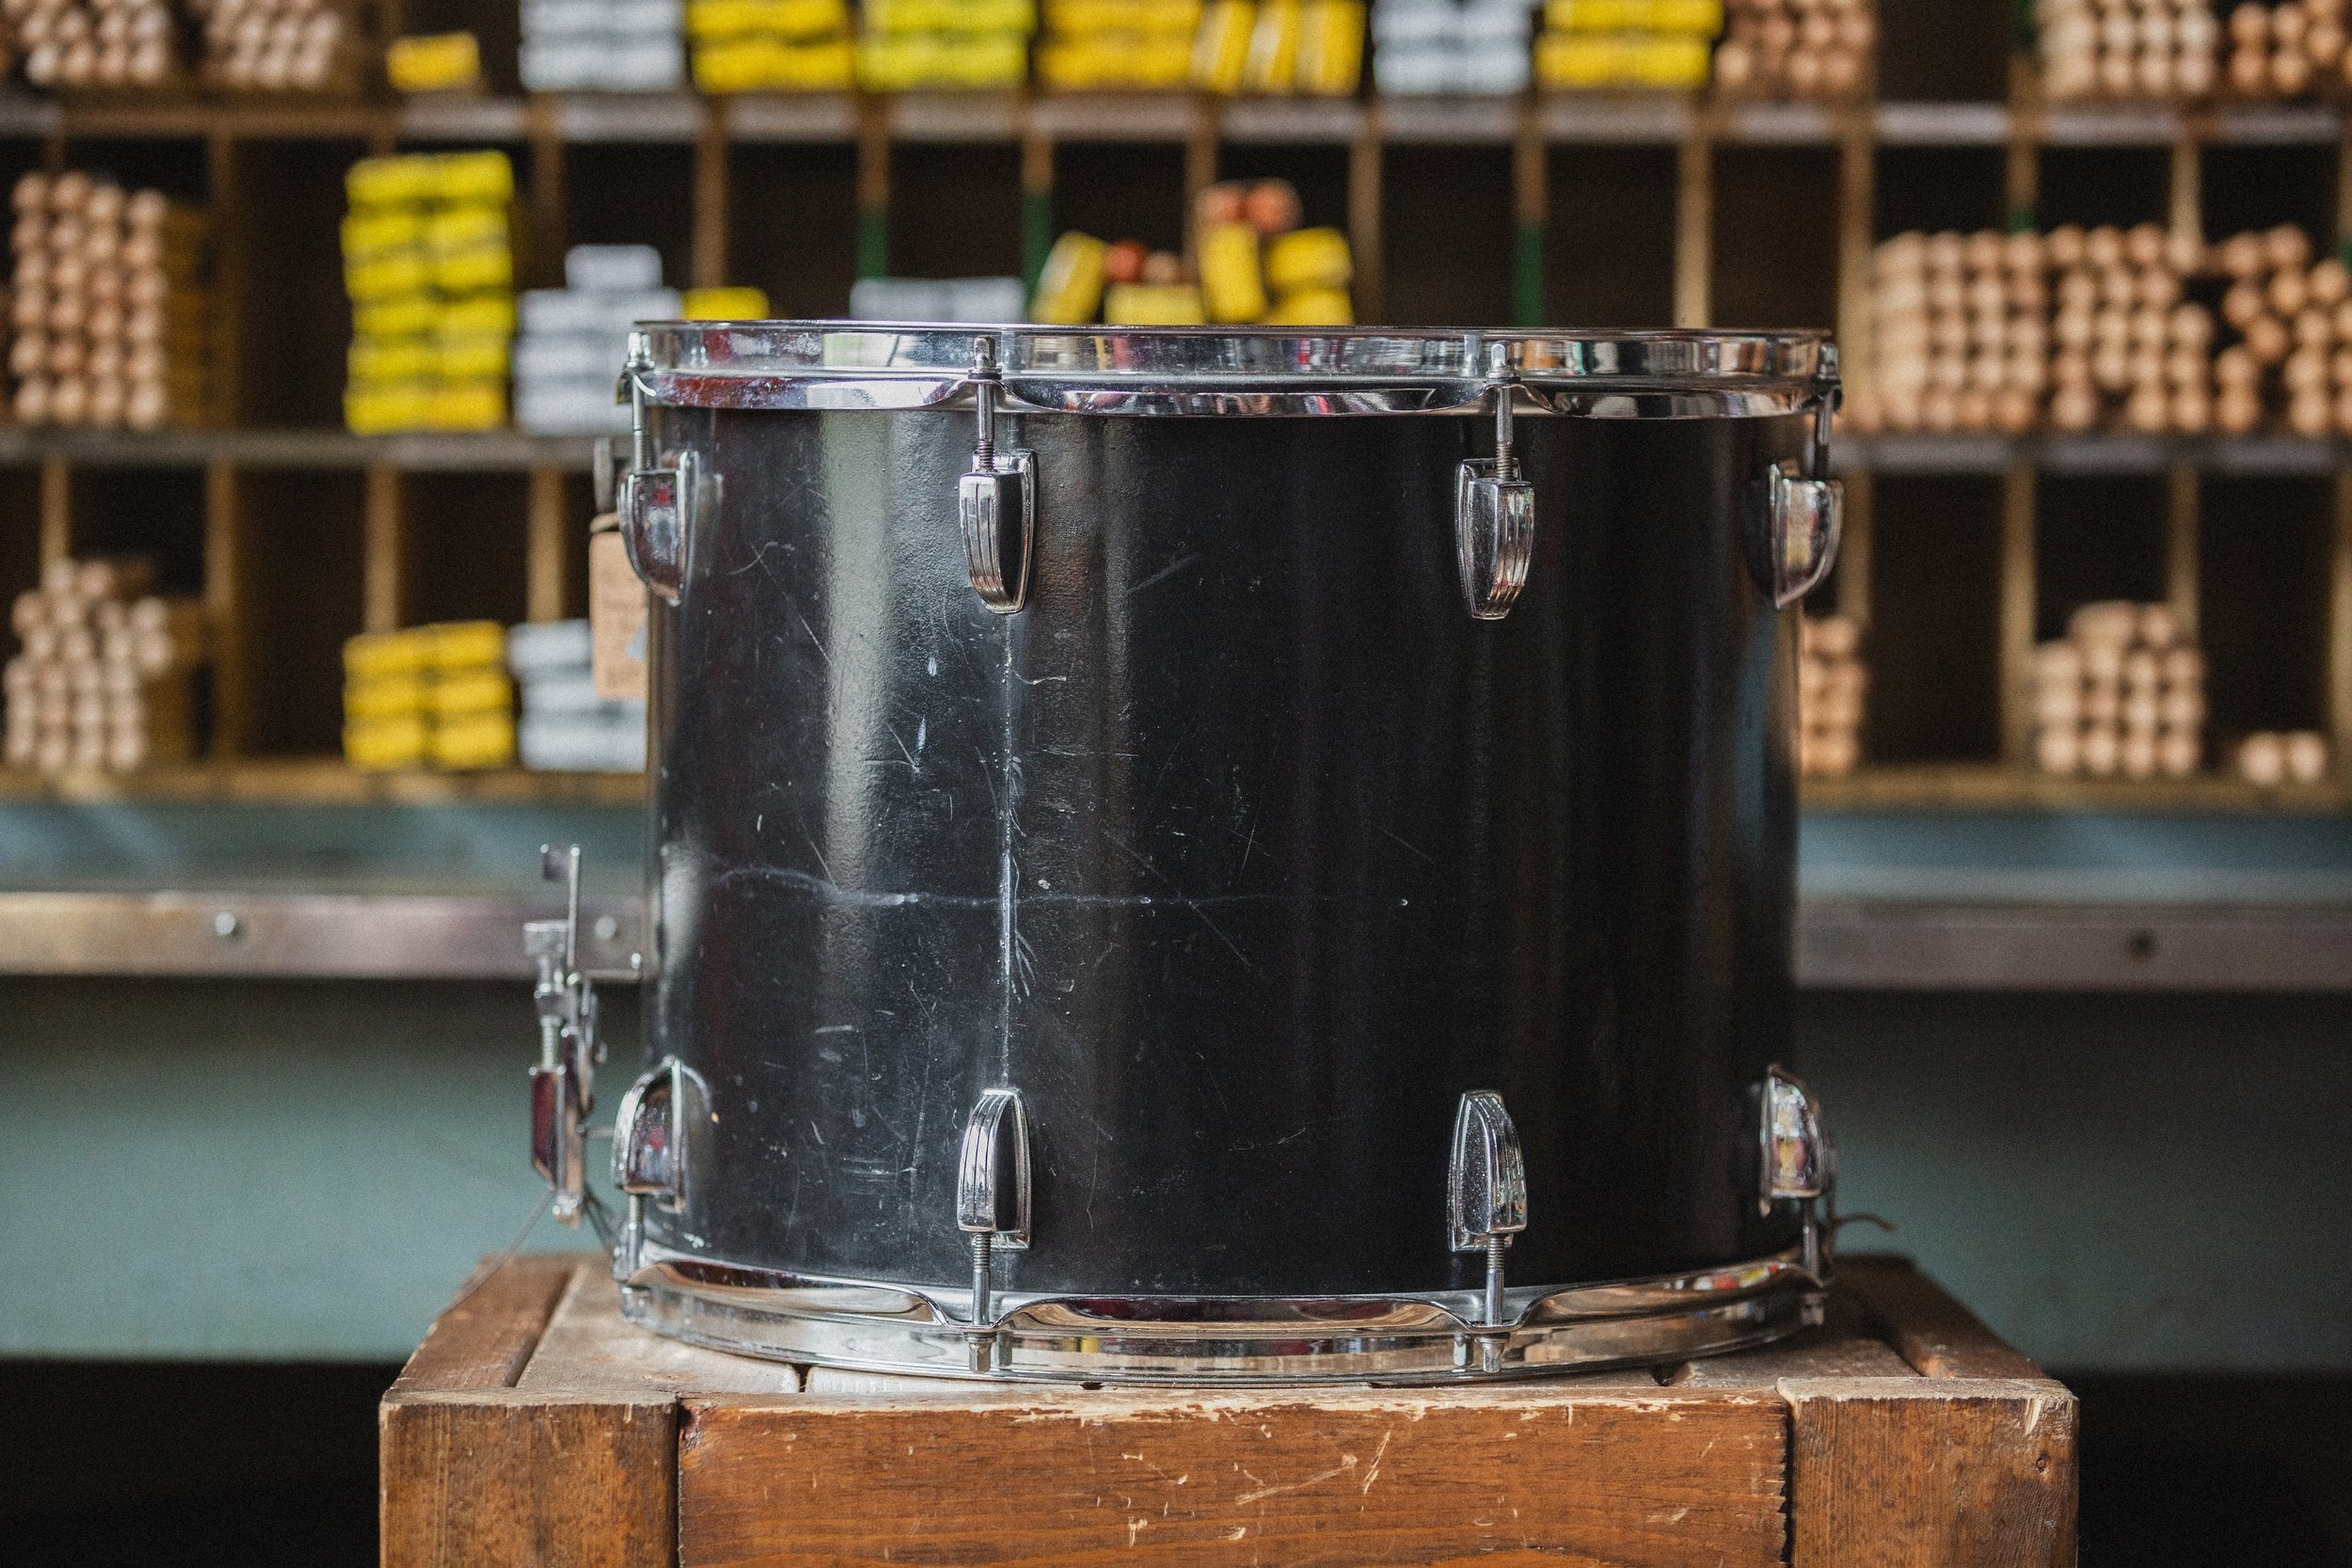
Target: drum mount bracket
[[1800, 1164], [1485, 1204], [1795, 517], [991, 1203], [562, 1085], [996, 501], [656, 502], [1494, 508]]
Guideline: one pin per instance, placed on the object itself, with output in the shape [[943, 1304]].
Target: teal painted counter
[[199, 1169]]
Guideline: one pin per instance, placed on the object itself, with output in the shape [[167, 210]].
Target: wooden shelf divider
[[1694, 225]]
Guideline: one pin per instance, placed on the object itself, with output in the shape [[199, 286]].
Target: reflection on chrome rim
[[1227, 372], [1434, 1338]]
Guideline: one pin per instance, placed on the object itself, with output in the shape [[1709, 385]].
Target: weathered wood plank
[[1927, 1327], [1932, 1473], [1357, 1478], [1847, 1345], [484, 1339], [589, 1351], [503, 1476]]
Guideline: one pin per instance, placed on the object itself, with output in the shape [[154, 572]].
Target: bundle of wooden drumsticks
[[107, 304], [107, 675], [2079, 330]]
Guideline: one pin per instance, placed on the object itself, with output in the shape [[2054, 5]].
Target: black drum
[[1222, 855]]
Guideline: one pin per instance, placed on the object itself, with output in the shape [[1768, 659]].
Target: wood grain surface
[[1923, 1473], [1928, 1328], [537, 1427], [1554, 1476], [484, 1339]]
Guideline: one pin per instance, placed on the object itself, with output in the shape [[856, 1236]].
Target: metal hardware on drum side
[[993, 1200], [653, 1146], [1494, 509], [562, 1085], [996, 501], [1794, 518], [657, 509], [1485, 1198], [1799, 1164]]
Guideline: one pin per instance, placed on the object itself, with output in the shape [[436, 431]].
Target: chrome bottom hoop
[[885, 1328]]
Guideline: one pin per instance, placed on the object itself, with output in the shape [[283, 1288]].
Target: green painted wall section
[[267, 1171], [307, 1171]]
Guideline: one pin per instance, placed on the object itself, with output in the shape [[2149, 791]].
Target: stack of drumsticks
[[2109, 328], [2292, 318], [2137, 49], [106, 677], [1804, 49], [103, 43], [2288, 50], [108, 314], [277, 45], [1831, 681], [2122, 692], [2270, 757]]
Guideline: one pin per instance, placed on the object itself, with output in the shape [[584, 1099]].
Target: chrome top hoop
[[1225, 372]]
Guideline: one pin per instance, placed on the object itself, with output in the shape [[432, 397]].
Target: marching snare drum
[[1217, 855]]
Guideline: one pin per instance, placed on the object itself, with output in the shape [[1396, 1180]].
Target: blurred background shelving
[[1548, 208]]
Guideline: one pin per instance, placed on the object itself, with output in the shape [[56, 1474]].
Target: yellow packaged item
[[482, 177], [733, 65], [1312, 307], [466, 228], [406, 315], [1220, 51], [1232, 283], [1702, 17], [827, 66], [459, 357], [1078, 18], [463, 645], [1581, 59], [1330, 47], [486, 690], [1635, 16], [1670, 62], [1162, 64], [805, 19], [467, 405], [1309, 259], [476, 315], [390, 359], [395, 272], [380, 408], [400, 696], [384, 744], [1153, 305], [723, 305], [1070, 287], [406, 177], [945, 16], [381, 654], [481, 741], [482, 269], [434, 62], [1591, 16], [372, 230], [1273, 65]]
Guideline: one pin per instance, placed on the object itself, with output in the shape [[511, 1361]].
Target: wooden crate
[[536, 1427]]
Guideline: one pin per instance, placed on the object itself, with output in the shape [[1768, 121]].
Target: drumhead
[[1227, 371]]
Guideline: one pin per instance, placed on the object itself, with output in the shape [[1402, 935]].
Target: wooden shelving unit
[[1620, 210]]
